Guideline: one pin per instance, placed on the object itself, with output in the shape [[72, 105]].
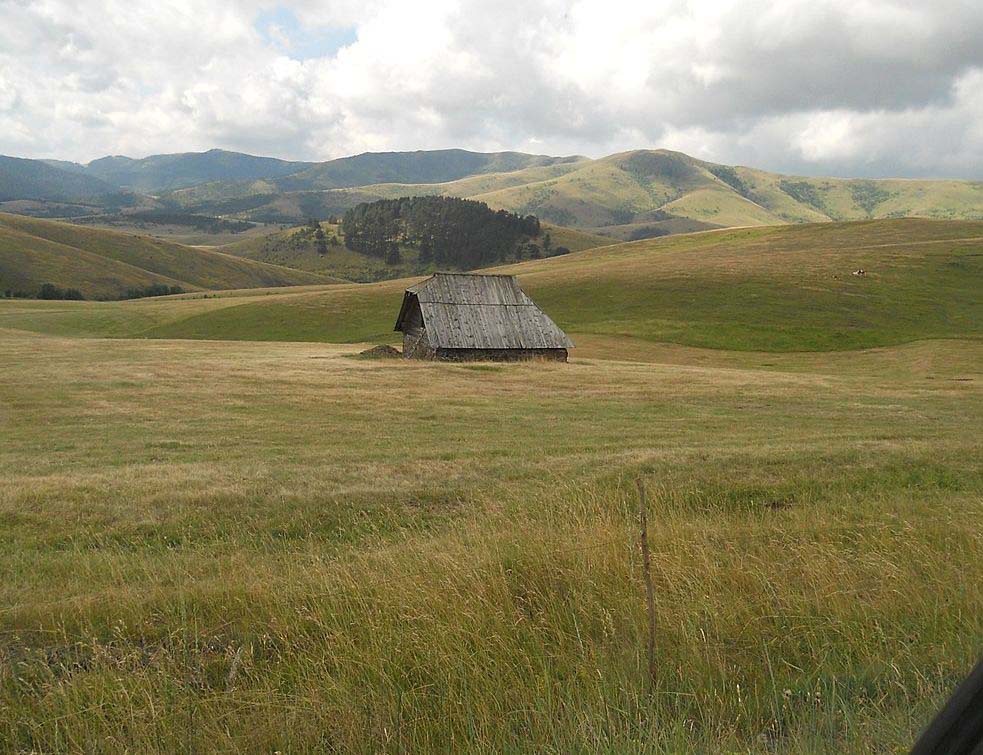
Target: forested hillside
[[318, 247], [167, 172], [33, 179], [449, 231]]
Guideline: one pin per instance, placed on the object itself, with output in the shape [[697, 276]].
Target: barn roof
[[471, 311]]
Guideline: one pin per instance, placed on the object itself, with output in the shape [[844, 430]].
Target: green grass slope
[[653, 225], [574, 239], [769, 289], [784, 288], [27, 261], [721, 207], [105, 263], [616, 190], [777, 288]]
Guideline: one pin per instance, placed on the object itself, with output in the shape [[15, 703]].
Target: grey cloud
[[829, 86], [834, 62]]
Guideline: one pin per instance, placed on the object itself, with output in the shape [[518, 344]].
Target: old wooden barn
[[465, 316]]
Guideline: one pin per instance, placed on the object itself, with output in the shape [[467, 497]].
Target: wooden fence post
[[647, 569]]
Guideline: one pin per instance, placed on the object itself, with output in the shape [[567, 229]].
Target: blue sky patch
[[281, 28]]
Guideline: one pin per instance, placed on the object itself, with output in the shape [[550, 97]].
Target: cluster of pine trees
[[449, 231], [314, 231], [51, 291], [155, 289]]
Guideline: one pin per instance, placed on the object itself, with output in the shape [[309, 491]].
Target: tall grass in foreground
[[812, 622], [258, 547]]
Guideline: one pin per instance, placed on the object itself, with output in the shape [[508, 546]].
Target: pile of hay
[[382, 351]]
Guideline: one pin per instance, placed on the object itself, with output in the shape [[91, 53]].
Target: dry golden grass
[[221, 546]]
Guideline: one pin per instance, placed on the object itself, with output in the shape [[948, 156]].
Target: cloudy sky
[[842, 87]]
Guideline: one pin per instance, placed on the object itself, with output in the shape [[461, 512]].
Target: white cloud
[[848, 86]]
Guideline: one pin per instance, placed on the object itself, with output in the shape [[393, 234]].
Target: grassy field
[[221, 545], [767, 289], [264, 546]]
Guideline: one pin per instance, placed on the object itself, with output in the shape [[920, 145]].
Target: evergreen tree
[[51, 291], [450, 231]]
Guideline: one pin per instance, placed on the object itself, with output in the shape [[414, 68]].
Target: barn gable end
[[461, 316]]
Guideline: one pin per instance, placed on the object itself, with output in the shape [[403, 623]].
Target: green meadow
[[223, 531], [783, 288]]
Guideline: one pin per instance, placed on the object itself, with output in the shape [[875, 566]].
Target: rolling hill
[[330, 188], [662, 192], [424, 167], [784, 288], [105, 264], [161, 173], [631, 195], [638, 194]]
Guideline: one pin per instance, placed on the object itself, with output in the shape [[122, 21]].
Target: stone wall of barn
[[416, 345], [500, 355]]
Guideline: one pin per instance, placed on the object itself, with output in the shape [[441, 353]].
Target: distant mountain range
[[628, 195], [163, 173], [159, 173], [40, 180]]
